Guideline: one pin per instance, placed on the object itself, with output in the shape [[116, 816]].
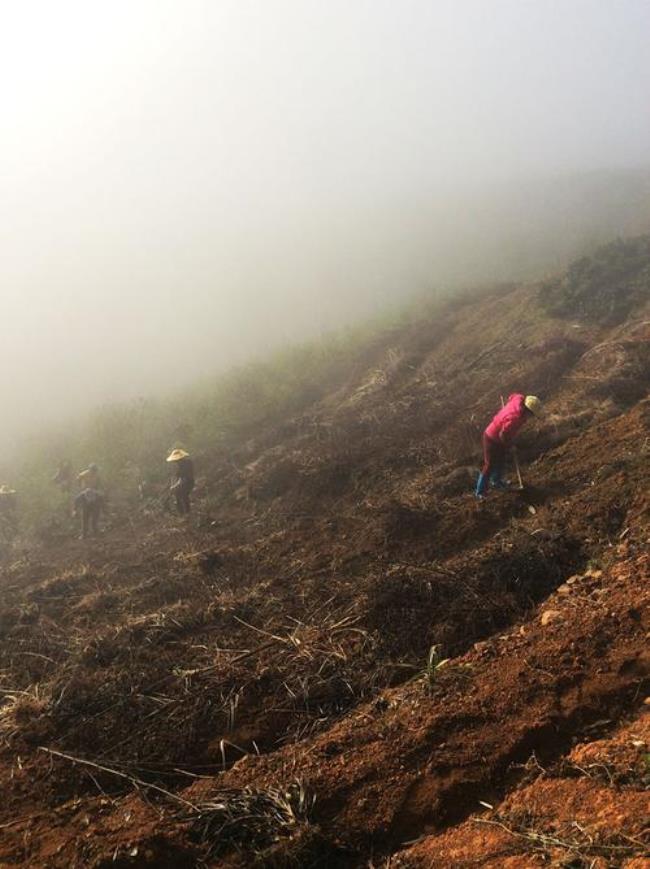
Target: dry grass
[[19, 709], [250, 817], [581, 843]]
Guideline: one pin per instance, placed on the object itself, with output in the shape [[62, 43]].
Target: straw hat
[[177, 455], [534, 405], [5, 490]]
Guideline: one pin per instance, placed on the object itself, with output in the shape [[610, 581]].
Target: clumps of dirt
[[529, 568], [559, 427], [583, 841], [589, 808], [150, 692], [620, 760], [294, 683], [418, 758], [401, 609], [405, 524], [455, 604], [157, 852], [457, 482]]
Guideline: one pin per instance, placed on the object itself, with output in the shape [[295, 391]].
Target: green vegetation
[[129, 441], [434, 663], [603, 287]]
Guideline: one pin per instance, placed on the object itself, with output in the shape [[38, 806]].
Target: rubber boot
[[481, 486]]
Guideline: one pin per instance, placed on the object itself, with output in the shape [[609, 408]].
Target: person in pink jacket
[[500, 435]]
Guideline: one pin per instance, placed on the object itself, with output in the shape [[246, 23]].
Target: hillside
[[344, 659]]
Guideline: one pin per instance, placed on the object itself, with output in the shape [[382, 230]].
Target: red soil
[[283, 636]]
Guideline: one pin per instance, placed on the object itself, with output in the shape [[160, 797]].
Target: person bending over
[[500, 435]]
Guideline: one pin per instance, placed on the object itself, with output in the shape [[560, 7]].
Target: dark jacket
[[184, 473]]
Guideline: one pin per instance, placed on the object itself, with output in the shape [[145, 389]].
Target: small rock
[[564, 589], [549, 616], [573, 579]]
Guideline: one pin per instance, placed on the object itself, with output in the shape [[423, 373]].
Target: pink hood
[[509, 420]]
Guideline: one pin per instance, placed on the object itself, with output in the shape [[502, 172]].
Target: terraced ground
[[268, 685]]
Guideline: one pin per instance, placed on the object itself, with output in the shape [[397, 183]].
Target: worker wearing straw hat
[[90, 503], [183, 481], [89, 478], [7, 499], [8, 508], [500, 435]]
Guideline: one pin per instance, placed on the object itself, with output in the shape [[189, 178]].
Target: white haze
[[188, 183]]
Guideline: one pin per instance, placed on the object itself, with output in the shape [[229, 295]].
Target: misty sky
[[187, 182]]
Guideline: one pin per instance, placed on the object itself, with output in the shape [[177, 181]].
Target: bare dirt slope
[[259, 688]]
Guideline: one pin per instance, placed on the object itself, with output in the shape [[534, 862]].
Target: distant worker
[[500, 435], [7, 497], [63, 476], [91, 504], [89, 478], [7, 500], [8, 507], [183, 482]]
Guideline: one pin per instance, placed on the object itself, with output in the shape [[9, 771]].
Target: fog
[[189, 183]]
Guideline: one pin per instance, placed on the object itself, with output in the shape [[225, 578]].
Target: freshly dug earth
[[268, 686], [590, 807]]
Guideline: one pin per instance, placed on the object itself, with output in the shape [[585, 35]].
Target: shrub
[[603, 287]]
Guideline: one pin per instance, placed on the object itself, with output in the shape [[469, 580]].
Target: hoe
[[520, 486], [520, 482]]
